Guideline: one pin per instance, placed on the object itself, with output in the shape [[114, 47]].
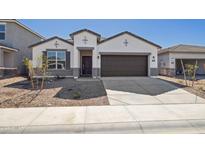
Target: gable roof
[[183, 48], [23, 26], [129, 33], [85, 30], [47, 40]]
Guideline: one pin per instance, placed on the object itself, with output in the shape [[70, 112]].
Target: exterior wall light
[[153, 58]]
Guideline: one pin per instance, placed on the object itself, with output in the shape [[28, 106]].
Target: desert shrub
[[191, 71], [76, 95]]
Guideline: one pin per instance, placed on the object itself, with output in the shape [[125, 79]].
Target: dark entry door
[[86, 65], [124, 65]]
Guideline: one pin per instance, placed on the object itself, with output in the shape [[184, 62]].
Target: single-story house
[[89, 54], [169, 59]]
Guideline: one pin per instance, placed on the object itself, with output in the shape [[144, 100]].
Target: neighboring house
[[88, 54], [14, 41], [7, 58], [169, 59]]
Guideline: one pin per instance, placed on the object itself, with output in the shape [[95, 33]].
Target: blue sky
[[163, 32]]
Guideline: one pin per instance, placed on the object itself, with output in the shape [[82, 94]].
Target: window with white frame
[[2, 31], [56, 60]]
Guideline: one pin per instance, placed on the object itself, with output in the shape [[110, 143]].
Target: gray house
[[14, 41]]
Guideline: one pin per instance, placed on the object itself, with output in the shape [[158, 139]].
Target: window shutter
[[67, 60]]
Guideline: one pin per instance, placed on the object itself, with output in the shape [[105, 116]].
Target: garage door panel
[[123, 65]]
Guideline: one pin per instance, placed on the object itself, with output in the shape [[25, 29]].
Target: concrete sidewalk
[[175, 118]]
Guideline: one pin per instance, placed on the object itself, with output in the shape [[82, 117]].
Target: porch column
[[1, 58], [96, 64], [76, 62]]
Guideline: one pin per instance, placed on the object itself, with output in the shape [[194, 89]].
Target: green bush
[[76, 95]]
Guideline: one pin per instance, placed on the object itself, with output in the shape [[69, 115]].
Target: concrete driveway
[[144, 90]]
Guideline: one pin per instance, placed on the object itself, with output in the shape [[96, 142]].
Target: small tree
[[29, 66], [40, 69], [184, 71], [44, 69], [191, 72]]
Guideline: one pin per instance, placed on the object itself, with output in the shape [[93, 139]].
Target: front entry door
[[86, 65]]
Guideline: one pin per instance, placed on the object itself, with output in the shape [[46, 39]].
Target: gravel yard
[[16, 92], [198, 88]]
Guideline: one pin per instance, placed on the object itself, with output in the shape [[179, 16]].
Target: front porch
[[87, 63], [7, 61]]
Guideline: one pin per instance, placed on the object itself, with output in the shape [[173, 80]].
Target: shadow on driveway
[[139, 85]]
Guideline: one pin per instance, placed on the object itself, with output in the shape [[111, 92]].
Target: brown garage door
[[123, 65]]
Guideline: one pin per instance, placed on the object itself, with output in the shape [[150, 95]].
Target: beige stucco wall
[[38, 50], [92, 42], [163, 60]]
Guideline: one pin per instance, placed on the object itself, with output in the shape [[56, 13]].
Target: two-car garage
[[124, 65], [127, 54]]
